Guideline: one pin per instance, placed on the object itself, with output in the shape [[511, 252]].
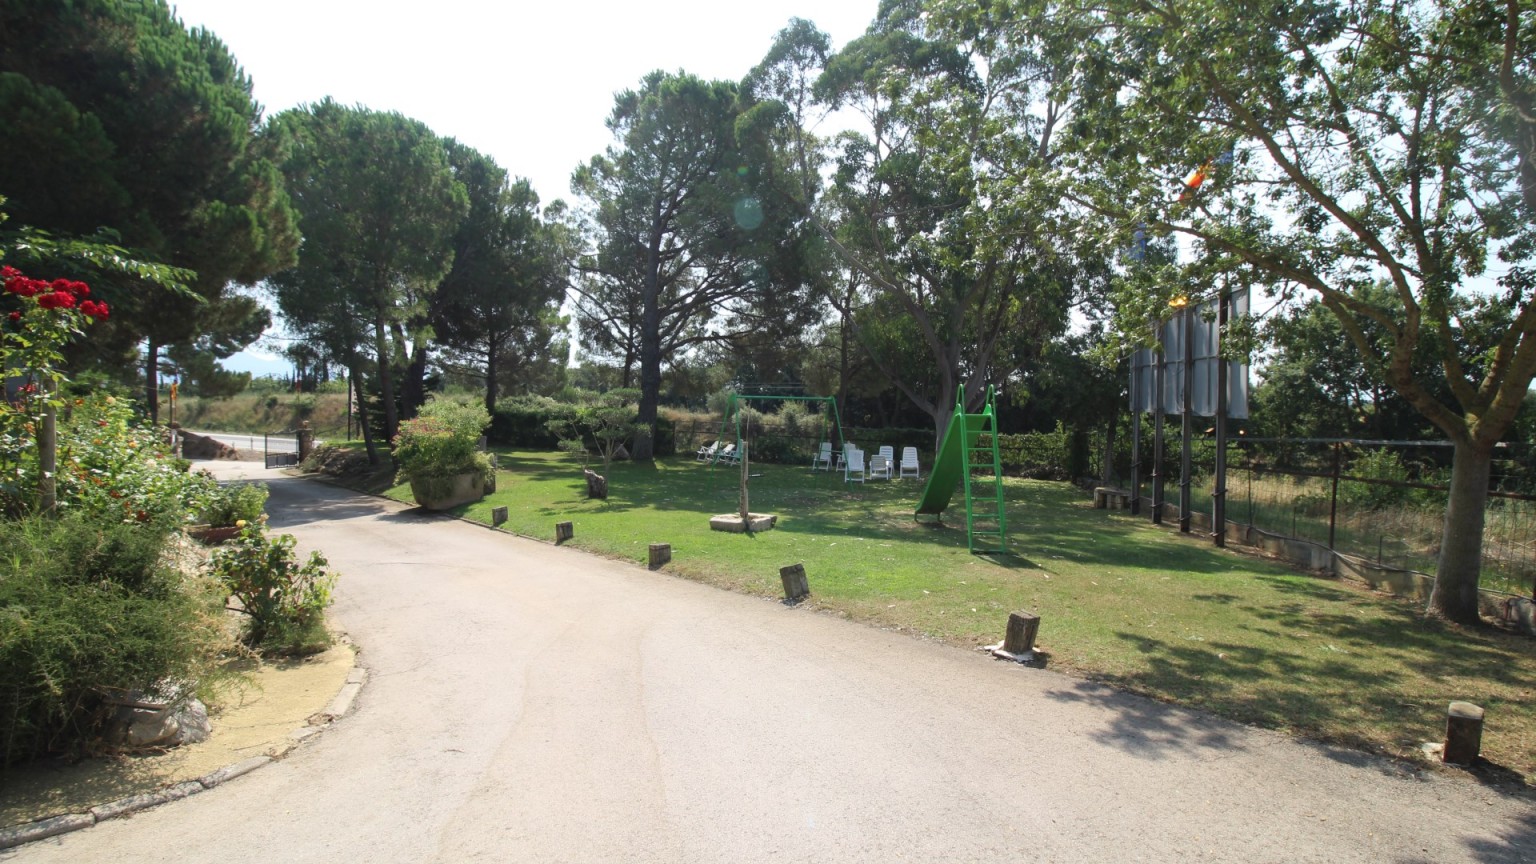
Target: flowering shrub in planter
[[437, 448]]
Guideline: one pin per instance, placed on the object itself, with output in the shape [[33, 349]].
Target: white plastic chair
[[888, 456], [855, 467], [879, 467], [707, 452], [909, 462], [823, 457], [842, 458], [726, 453]]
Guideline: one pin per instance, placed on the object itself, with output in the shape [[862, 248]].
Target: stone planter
[[443, 493]]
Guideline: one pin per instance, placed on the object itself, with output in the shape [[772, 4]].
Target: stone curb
[[340, 705]]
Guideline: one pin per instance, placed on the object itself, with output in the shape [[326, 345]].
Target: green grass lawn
[[1121, 602]]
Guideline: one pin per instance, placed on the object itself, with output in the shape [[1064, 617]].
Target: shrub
[[109, 467], [523, 421], [442, 441], [90, 610], [226, 505], [284, 602]]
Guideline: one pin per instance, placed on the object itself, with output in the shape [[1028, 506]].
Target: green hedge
[[523, 421]]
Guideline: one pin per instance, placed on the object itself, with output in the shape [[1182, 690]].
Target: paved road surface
[[529, 703]]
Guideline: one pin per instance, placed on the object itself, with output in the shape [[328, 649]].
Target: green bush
[[90, 610], [284, 601], [109, 467], [442, 441], [524, 421], [229, 504]]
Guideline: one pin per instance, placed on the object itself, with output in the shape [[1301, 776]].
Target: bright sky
[[529, 84]]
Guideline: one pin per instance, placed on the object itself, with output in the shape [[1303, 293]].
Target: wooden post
[[661, 553], [498, 515], [597, 484], [1463, 734], [564, 531], [795, 583], [1022, 629]]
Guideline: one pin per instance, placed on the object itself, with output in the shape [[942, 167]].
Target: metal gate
[[281, 449]]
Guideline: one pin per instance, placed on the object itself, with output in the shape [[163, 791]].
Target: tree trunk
[[386, 379], [650, 354], [1461, 544], [414, 387], [493, 347], [152, 379], [362, 411]]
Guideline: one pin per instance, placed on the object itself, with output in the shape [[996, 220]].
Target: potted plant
[[228, 508], [438, 453]]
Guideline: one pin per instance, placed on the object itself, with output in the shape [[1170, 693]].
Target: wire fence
[[1383, 501]]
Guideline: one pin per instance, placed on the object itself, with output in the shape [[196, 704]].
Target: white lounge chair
[[734, 453], [854, 470], [823, 457], [885, 458], [707, 452], [909, 462], [726, 453]]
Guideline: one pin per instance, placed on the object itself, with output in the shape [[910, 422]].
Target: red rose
[[14, 316], [79, 289], [63, 300]]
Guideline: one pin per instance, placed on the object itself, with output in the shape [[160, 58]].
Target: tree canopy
[[380, 205], [1331, 146], [135, 124]]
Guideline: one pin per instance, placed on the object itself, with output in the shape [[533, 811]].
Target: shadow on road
[[1144, 728]]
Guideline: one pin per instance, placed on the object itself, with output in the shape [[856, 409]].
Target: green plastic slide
[[949, 467]]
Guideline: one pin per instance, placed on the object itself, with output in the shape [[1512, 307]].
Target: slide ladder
[[969, 455]]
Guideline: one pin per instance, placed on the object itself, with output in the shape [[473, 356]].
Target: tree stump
[[1463, 734], [661, 553], [1022, 629], [597, 484], [795, 583], [564, 531]]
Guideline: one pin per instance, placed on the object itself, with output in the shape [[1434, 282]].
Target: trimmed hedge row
[[523, 421]]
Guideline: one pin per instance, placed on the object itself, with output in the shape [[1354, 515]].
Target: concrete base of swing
[[732, 522]]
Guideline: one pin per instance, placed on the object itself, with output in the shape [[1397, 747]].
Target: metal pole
[[1159, 442], [1219, 494], [1333, 503], [1186, 457], [1135, 455]]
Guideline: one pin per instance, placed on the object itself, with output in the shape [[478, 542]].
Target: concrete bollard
[[498, 515], [1463, 734], [661, 553], [564, 531], [795, 583], [1022, 629]]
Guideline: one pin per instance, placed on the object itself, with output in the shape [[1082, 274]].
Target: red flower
[[14, 316], [101, 312], [79, 289]]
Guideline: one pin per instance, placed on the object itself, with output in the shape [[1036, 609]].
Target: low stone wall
[[1519, 611]]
